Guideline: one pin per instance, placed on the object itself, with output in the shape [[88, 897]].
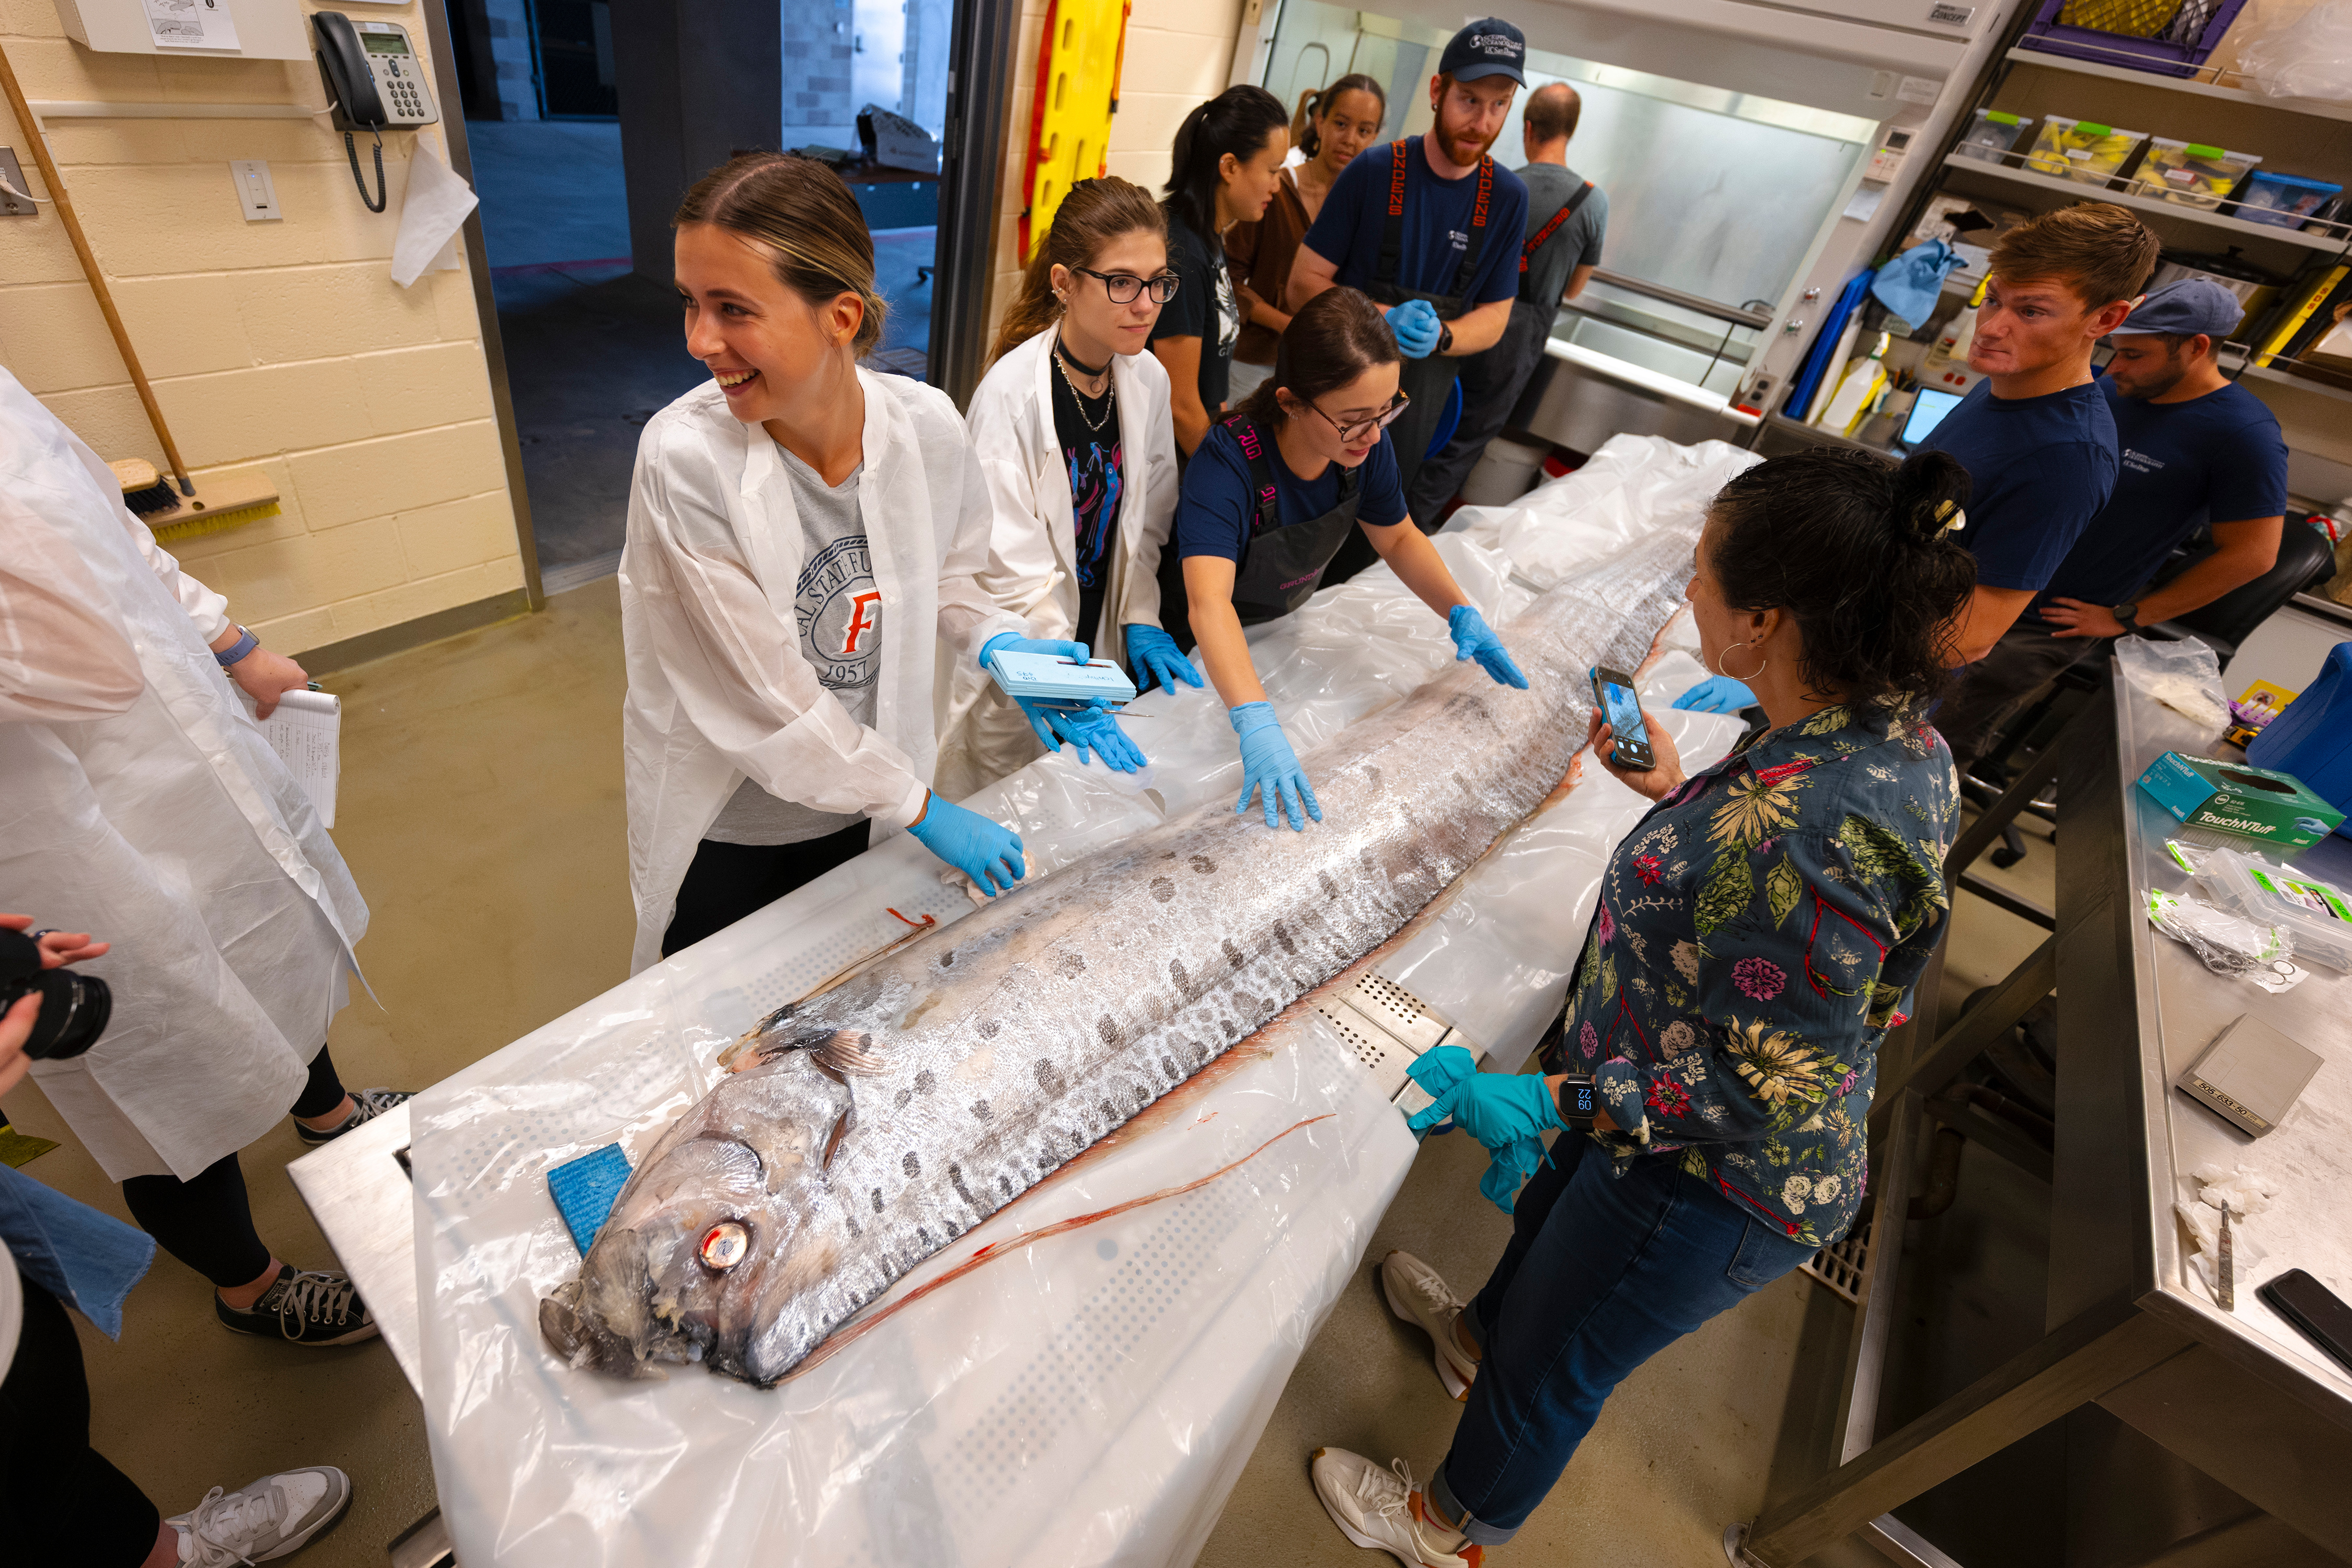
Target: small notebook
[[1043, 676], [2251, 1075], [583, 1190], [306, 732]]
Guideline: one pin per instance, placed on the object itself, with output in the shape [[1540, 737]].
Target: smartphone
[[2320, 1313], [1613, 693]]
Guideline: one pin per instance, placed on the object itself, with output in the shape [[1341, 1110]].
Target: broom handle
[[64, 203]]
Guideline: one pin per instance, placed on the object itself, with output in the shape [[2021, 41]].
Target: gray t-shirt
[[840, 615], [1574, 244]]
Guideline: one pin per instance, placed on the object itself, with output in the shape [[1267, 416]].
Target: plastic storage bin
[[2317, 915], [1992, 134], [2313, 738], [2192, 174], [2081, 150], [2152, 36], [2283, 201]]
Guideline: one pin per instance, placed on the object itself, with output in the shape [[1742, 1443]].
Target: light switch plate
[[9, 205], [255, 193]]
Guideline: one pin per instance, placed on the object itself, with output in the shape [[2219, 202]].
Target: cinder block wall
[[281, 345], [1178, 53]]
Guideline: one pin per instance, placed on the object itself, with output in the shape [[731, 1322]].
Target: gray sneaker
[[305, 1307], [367, 1104], [274, 1517]]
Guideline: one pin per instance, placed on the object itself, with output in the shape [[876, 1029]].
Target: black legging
[[63, 1501], [207, 1222], [728, 881]]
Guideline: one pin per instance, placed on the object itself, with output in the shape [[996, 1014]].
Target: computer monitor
[[1927, 412]]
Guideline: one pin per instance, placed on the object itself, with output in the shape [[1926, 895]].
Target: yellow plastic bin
[[2192, 174], [2081, 150]]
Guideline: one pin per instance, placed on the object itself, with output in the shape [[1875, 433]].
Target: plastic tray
[[1993, 134], [2317, 915], [1037, 675], [2283, 201], [2081, 150], [2192, 174]]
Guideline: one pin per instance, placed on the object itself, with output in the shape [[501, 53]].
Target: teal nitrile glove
[[1440, 1068], [1270, 767], [1416, 327], [988, 853], [1474, 638], [1716, 694], [1092, 730], [1497, 1109], [1157, 662], [1508, 1171], [1052, 647]]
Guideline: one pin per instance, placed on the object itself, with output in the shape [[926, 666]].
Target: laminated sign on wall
[[191, 24]]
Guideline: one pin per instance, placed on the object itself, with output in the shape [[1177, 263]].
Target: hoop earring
[[1724, 660]]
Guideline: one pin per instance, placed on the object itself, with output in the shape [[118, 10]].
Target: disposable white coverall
[[1032, 561], [140, 802], [719, 692]]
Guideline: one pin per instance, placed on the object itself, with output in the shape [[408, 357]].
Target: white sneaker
[[1379, 1508], [1419, 1294], [274, 1517]]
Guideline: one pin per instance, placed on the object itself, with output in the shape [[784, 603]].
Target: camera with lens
[[74, 1008]]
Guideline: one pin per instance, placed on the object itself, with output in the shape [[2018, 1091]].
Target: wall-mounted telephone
[[373, 80]]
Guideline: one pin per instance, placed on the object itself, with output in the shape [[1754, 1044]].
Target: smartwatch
[[245, 643], [1578, 1102], [1445, 337], [2128, 616]]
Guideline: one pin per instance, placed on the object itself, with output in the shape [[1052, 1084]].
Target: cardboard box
[[2239, 800]]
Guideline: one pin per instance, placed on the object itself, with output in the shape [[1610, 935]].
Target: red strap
[[1396, 177], [1536, 241]]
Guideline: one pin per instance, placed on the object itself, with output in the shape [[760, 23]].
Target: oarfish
[[885, 1118]]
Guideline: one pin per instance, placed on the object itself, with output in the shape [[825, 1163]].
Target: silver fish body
[[894, 1114]]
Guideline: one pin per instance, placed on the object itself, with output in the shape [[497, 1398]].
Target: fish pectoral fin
[[833, 1139], [846, 1051]]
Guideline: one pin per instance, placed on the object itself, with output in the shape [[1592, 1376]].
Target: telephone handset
[[373, 80]]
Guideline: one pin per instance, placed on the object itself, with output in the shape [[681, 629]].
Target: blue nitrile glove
[[1474, 638], [1508, 1171], [1050, 647], [1416, 327], [986, 852], [1497, 1109], [1270, 767], [1092, 730], [1440, 1068], [1156, 659], [1716, 694]]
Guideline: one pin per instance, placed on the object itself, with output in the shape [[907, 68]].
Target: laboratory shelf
[[2319, 108], [2003, 174]]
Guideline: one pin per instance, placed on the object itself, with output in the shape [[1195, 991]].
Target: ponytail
[[1863, 554], [1238, 120]]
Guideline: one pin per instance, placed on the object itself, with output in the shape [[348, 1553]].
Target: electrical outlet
[[254, 194], [11, 207]]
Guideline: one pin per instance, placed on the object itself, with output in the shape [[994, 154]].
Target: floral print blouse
[[1757, 936]]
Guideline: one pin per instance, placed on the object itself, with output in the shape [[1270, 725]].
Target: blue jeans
[[1601, 1273]]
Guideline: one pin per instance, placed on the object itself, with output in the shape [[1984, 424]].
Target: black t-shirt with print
[[1097, 483], [1203, 308]]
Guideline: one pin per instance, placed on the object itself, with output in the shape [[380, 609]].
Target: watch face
[[1577, 1099]]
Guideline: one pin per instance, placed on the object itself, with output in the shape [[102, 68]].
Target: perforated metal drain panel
[[1386, 1025]]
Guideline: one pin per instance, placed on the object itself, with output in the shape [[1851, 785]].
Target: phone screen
[[1625, 712]]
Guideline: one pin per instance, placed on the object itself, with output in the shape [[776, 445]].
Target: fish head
[[716, 1237]]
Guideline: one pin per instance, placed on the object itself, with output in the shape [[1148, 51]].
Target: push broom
[[229, 499]]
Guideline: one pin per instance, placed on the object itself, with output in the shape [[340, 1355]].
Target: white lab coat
[[1031, 566], [718, 689], [138, 801]]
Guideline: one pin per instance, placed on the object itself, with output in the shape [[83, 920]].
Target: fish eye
[[724, 1246]]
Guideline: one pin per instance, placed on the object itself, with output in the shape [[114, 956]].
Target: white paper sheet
[[430, 215], [307, 731], [192, 25]]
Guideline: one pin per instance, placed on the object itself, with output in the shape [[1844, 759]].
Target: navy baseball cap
[[1489, 46], [2188, 307]]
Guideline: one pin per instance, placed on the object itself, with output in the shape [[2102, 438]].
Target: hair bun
[[1930, 496]]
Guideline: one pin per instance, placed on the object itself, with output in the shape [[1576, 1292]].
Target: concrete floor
[[482, 814]]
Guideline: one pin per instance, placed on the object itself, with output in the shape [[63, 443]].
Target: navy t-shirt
[[2039, 470], [1438, 217], [2215, 458], [1218, 502]]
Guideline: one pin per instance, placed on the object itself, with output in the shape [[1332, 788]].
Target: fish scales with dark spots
[[1190, 937]]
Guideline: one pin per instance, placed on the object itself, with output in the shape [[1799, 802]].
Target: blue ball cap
[[2190, 306], [1489, 46]]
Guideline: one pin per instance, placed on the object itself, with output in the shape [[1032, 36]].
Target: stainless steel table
[[2240, 1396]]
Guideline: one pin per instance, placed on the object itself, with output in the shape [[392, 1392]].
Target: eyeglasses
[[1355, 431], [1123, 287]]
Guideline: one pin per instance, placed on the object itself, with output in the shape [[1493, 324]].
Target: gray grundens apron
[[1280, 568]]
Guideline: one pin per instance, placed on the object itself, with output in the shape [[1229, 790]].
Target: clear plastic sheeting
[[1079, 1378]]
